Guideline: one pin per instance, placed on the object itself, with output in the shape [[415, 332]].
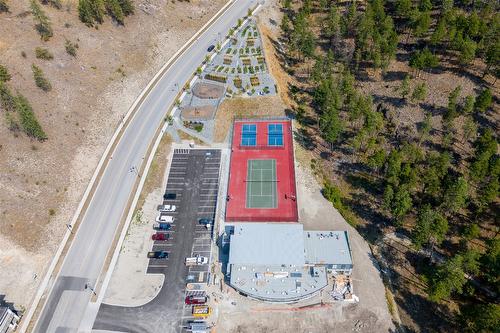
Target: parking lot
[[192, 186]]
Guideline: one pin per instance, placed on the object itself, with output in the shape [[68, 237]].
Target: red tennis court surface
[[262, 140]]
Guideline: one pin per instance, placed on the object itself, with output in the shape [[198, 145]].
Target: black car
[[211, 48], [206, 221], [169, 196]]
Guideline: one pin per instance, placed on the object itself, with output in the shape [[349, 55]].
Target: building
[[262, 172], [280, 262], [8, 319]]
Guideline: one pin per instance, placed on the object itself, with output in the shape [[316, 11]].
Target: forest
[[398, 104]]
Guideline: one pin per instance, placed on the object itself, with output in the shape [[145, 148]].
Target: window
[[275, 134], [249, 135]]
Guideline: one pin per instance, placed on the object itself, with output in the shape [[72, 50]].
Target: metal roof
[[327, 247], [267, 244]]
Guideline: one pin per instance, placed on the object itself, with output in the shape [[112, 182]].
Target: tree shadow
[[394, 76], [394, 101], [303, 137]]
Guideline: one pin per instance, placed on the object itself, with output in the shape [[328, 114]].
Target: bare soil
[[245, 107], [42, 183], [208, 90], [198, 112]]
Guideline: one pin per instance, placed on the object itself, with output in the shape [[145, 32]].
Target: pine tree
[[4, 74], [419, 93], [483, 101], [404, 89], [43, 25]]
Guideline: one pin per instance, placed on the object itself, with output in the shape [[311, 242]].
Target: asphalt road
[[68, 299], [192, 178]]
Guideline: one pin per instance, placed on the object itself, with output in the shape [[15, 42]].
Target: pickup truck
[[167, 208], [162, 226], [164, 218], [196, 261], [160, 236], [201, 311], [158, 254]]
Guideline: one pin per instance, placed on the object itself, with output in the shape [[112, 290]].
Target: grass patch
[[333, 194], [40, 79], [71, 47], [391, 304], [43, 53], [154, 177]]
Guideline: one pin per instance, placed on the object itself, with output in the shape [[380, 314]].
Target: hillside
[[397, 113], [92, 86]]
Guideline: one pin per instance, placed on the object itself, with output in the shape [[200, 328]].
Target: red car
[[195, 300], [160, 236]]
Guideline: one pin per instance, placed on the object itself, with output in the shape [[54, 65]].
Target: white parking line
[[157, 266], [173, 189]]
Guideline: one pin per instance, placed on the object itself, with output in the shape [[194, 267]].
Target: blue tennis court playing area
[[275, 134], [249, 135]]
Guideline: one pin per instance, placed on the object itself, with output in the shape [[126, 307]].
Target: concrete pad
[[130, 285]]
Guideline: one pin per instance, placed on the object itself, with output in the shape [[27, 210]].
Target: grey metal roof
[[267, 244], [278, 283], [327, 247]]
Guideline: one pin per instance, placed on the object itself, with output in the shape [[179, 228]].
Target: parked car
[[206, 221], [162, 226], [198, 260], [167, 208], [190, 300], [160, 236], [211, 48], [164, 218], [169, 196], [158, 254]]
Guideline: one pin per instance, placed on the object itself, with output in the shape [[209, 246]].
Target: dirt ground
[[42, 183], [198, 112], [208, 90], [244, 107]]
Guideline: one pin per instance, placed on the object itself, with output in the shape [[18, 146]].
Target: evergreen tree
[[419, 93], [404, 89], [43, 25], [4, 74], [483, 101], [456, 195], [451, 112]]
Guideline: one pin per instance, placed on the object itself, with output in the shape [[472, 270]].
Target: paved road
[[66, 304], [194, 178]]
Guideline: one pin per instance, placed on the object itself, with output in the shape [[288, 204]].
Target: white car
[[167, 208], [164, 218]]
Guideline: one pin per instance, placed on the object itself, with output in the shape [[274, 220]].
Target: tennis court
[[261, 184]]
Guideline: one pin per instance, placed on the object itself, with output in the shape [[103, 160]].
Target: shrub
[[23, 54], [54, 3], [42, 53], [29, 122], [40, 79], [4, 74], [43, 25], [4, 8], [7, 100], [71, 48], [198, 127]]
